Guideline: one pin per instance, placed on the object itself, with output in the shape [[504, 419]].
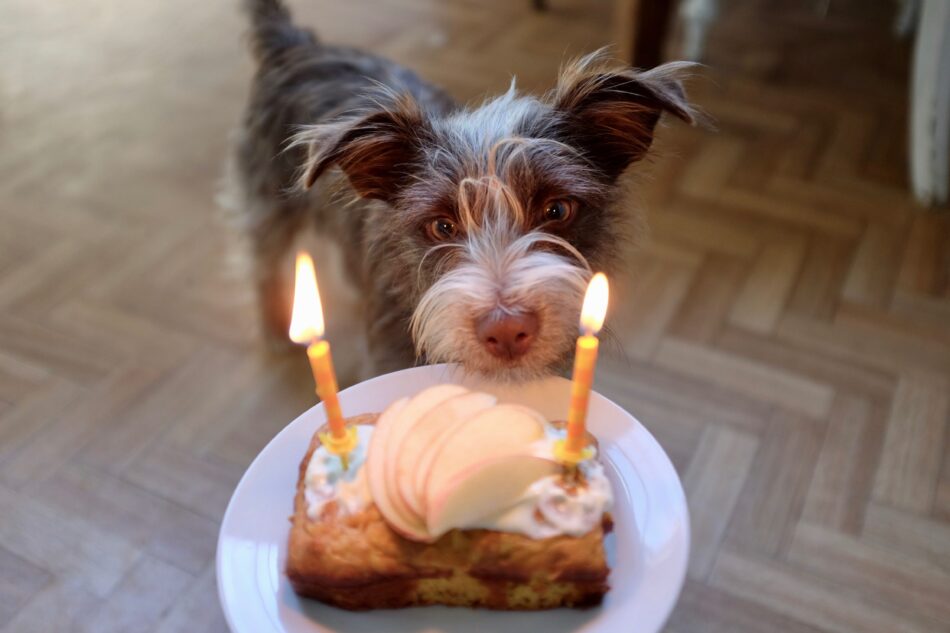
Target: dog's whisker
[[431, 251]]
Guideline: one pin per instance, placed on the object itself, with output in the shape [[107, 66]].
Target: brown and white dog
[[470, 233]]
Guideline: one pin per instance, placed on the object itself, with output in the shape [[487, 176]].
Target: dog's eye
[[559, 211], [442, 229]]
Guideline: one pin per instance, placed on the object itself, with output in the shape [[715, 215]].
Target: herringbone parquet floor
[[785, 328]]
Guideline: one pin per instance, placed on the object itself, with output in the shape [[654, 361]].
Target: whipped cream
[[548, 507], [326, 480]]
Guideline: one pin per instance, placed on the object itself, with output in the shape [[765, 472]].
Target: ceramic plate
[[648, 550]]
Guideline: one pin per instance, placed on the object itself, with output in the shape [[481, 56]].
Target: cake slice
[[344, 552]]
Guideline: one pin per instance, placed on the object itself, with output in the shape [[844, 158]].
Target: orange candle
[[573, 448], [321, 363], [585, 358], [307, 326]]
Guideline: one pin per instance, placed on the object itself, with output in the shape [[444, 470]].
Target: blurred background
[[784, 329]]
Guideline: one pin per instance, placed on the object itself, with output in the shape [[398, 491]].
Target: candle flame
[[595, 304], [306, 321]]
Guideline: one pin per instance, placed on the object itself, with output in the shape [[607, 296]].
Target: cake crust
[[357, 562]]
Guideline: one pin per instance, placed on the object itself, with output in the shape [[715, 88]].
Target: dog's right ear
[[377, 151], [610, 113]]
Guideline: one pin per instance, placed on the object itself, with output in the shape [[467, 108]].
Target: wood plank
[[817, 290], [63, 605], [18, 377], [182, 400], [856, 340], [144, 596], [33, 413], [63, 355], [681, 222], [709, 298], [763, 295], [152, 523], [756, 380], [715, 477], [65, 545], [924, 268], [195, 612], [710, 169], [649, 305], [763, 522], [678, 397], [202, 484], [838, 374], [913, 536], [847, 464], [916, 588], [806, 597], [41, 456], [913, 445], [870, 279], [798, 215], [19, 580], [711, 610]]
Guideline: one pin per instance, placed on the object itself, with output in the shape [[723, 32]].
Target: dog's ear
[[377, 151], [610, 115]]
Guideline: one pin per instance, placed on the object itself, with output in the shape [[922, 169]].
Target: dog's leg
[[271, 244], [266, 227], [389, 343]]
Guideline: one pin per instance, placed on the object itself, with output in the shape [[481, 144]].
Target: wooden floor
[[785, 329]]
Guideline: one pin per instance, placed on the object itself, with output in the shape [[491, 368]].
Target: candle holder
[[342, 445], [571, 457]]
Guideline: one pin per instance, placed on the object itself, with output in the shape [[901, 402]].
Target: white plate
[[648, 551]]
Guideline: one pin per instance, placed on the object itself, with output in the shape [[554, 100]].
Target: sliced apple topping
[[483, 489], [502, 430], [449, 458], [440, 421], [405, 524], [402, 427]]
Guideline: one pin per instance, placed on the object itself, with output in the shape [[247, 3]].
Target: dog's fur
[[370, 155]]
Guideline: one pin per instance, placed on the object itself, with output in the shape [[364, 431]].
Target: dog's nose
[[508, 335]]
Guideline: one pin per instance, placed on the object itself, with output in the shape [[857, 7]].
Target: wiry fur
[[369, 154]]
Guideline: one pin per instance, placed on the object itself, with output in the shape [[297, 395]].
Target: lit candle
[[573, 448], [307, 326]]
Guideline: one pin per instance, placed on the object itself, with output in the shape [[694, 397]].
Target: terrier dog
[[470, 233]]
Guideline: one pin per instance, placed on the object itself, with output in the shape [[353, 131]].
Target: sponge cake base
[[357, 562]]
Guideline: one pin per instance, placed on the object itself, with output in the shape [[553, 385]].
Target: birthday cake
[[451, 498]]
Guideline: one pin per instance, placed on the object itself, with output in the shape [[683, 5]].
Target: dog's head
[[496, 216]]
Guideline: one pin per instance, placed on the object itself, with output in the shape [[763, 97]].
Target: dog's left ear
[[611, 114], [377, 151]]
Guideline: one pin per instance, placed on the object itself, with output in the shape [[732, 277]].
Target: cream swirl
[[325, 479], [545, 509], [550, 508]]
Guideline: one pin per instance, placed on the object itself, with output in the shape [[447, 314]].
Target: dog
[[469, 233]]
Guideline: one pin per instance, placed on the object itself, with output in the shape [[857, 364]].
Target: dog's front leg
[[271, 243], [389, 344]]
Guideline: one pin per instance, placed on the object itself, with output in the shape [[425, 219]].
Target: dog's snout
[[508, 336]]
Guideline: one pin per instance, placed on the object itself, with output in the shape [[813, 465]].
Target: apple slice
[[502, 430], [441, 419], [484, 489], [409, 526], [402, 425]]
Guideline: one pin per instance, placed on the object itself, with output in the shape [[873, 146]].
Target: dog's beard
[[496, 268]]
